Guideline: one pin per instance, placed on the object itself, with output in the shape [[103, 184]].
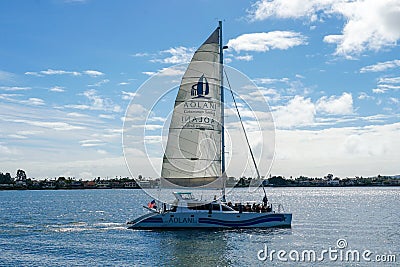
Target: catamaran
[[195, 155]]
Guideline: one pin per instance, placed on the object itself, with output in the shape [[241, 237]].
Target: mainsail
[[193, 154]]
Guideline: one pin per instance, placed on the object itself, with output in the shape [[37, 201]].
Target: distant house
[[89, 184], [144, 184], [333, 182], [104, 185], [131, 184]]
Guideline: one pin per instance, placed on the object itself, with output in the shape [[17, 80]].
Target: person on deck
[[265, 200]]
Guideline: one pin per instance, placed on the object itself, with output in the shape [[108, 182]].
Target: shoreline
[[136, 188]]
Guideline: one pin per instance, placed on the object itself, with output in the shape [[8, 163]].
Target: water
[[87, 228]]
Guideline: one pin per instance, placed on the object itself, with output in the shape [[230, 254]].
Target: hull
[[230, 220]]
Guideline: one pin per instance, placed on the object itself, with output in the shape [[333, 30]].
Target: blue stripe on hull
[[153, 220], [250, 222], [157, 222]]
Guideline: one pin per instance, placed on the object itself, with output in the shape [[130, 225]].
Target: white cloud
[[386, 83], [106, 116], [128, 95], [91, 143], [59, 72], [245, 58], [342, 105], [333, 39], [153, 139], [149, 127], [100, 83], [76, 115], [270, 80], [262, 94], [17, 136], [263, 9], [91, 73], [378, 91], [155, 118], [177, 55], [149, 73], [369, 24], [123, 83], [32, 101], [301, 112], [35, 101], [29, 132], [58, 126], [57, 89], [33, 73], [227, 60], [171, 71], [96, 103], [394, 100], [265, 41], [140, 55], [381, 66], [297, 113], [363, 95], [14, 88], [389, 80], [347, 151], [382, 88]]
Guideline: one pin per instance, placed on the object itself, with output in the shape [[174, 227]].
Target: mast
[[221, 61]]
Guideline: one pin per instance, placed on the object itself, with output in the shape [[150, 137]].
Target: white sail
[[193, 153]]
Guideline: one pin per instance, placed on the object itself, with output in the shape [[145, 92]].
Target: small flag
[[151, 204]]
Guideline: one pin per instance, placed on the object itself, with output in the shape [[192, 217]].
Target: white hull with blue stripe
[[214, 220], [192, 213]]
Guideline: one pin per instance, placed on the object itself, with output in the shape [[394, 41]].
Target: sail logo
[[201, 88]]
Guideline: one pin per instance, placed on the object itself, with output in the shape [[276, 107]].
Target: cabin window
[[186, 196], [215, 207], [197, 207]]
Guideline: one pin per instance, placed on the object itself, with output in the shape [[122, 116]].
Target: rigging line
[[244, 131]]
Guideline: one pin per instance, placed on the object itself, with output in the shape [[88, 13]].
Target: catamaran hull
[[222, 220]]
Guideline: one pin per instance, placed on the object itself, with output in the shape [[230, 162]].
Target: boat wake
[[83, 226]]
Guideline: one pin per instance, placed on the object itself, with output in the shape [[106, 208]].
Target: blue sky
[[330, 70]]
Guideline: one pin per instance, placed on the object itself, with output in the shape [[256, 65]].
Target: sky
[[330, 71]]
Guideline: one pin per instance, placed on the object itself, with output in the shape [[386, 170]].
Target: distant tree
[[5, 178], [21, 175], [277, 180]]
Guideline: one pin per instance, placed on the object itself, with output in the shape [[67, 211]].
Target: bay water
[[88, 228]]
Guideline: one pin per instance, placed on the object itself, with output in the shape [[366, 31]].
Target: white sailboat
[[195, 154]]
